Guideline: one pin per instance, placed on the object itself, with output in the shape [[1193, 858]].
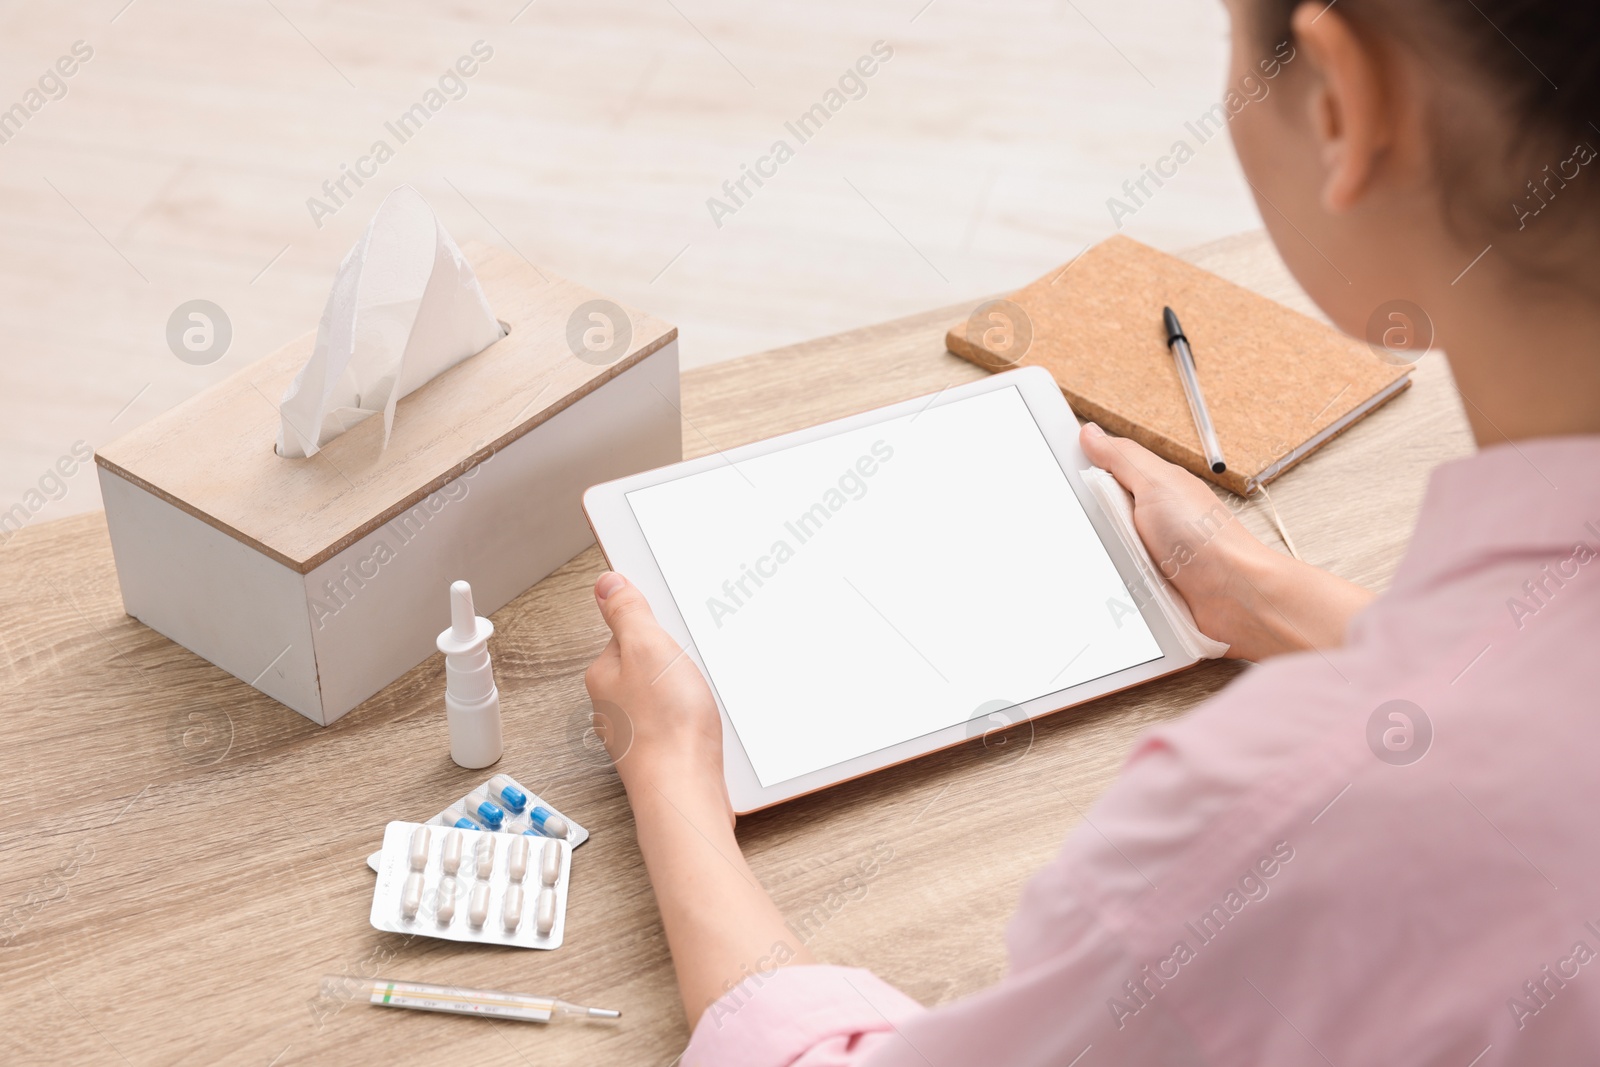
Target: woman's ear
[[1352, 117]]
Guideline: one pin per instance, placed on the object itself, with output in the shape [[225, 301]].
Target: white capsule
[[485, 855], [478, 907], [517, 864], [550, 863], [447, 900], [419, 848], [545, 917], [411, 896], [511, 910], [450, 856]]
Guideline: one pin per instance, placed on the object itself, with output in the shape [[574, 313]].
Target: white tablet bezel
[[627, 551]]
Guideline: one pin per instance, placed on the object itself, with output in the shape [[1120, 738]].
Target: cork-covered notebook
[[1278, 385]]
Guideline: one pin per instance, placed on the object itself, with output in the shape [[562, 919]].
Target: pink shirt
[[1278, 879]]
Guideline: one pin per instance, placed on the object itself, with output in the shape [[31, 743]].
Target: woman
[[1281, 890]]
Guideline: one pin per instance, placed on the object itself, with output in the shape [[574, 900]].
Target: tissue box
[[321, 580]]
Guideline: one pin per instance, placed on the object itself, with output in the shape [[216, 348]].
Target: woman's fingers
[[1130, 463]]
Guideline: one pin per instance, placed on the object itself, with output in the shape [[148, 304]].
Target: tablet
[[892, 583]]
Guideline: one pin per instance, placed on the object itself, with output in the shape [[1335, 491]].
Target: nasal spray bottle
[[471, 701]]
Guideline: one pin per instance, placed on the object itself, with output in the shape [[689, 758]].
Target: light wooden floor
[[179, 162]]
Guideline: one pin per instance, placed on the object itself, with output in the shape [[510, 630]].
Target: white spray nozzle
[[463, 619], [468, 630]]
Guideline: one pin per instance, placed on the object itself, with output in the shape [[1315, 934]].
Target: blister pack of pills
[[477, 886], [504, 805]]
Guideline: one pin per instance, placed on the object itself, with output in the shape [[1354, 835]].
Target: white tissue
[[1118, 506], [405, 307]]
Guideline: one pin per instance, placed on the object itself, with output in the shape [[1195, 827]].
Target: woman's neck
[[1526, 357]]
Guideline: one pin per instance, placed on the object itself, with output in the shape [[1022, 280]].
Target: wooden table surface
[[181, 858]]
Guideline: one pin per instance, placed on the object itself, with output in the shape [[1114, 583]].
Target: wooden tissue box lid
[[213, 455]]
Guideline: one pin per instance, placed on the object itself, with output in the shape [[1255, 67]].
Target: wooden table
[[181, 858]]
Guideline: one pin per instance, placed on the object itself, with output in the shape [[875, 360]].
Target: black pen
[[1179, 344]]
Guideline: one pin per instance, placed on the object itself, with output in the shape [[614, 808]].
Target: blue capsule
[[548, 823], [486, 811], [504, 790]]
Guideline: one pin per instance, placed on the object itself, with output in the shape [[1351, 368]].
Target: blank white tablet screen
[[865, 589]]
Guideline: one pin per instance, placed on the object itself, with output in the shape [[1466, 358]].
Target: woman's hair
[[1542, 55], [1536, 63]]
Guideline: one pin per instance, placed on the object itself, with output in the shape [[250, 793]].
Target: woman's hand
[[657, 717], [1260, 602], [652, 707]]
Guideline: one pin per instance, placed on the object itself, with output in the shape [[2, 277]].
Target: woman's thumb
[[1123, 458], [622, 605]]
